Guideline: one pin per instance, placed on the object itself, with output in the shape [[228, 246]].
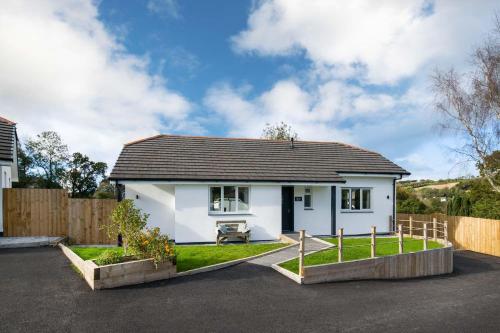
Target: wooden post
[[301, 252], [445, 231], [411, 227], [373, 242], [400, 233], [425, 236], [340, 237], [434, 228]]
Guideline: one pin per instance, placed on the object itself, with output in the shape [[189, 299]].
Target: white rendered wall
[[316, 221], [6, 176], [158, 200], [361, 222], [6, 182], [193, 223]]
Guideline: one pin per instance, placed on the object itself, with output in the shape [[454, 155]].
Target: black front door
[[287, 208]]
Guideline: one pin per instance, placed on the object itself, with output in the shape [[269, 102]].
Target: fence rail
[[49, 212], [468, 233]]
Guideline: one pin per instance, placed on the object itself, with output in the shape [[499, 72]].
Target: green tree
[[127, 221], [25, 165], [83, 175], [485, 201], [435, 206], [459, 205], [281, 131], [407, 202], [411, 206], [106, 190], [49, 156]]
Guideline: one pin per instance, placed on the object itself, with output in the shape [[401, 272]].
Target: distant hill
[[429, 183], [439, 186], [462, 197]]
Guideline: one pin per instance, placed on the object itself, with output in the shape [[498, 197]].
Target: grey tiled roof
[[7, 134], [169, 157]]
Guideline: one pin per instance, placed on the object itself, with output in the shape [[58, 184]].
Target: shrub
[[109, 257], [152, 244], [127, 221]]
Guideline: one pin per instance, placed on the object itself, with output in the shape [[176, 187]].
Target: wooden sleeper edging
[[398, 266]]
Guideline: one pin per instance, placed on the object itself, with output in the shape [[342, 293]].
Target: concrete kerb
[[295, 277], [289, 274], [317, 239], [35, 241]]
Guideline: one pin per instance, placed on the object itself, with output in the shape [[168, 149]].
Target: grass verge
[[385, 247], [195, 256]]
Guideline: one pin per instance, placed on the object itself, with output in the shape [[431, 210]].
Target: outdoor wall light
[[137, 196], [388, 197]]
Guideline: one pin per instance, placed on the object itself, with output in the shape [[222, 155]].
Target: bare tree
[[470, 105], [281, 131]]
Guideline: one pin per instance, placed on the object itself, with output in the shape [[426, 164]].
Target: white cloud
[[370, 62], [401, 128], [164, 7], [390, 39], [61, 70], [315, 115]]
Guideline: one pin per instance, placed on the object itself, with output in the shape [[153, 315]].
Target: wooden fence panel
[[468, 233], [49, 212], [34, 212], [88, 217]]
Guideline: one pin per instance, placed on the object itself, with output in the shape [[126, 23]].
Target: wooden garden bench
[[232, 229]]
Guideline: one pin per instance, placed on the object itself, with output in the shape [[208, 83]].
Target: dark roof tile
[[169, 157], [7, 135]]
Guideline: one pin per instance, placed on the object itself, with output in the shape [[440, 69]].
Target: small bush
[[109, 257], [152, 244], [127, 221]]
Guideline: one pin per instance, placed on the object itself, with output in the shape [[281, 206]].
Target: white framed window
[[229, 199], [308, 198], [356, 199]]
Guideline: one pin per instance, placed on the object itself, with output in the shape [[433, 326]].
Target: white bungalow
[[187, 184]]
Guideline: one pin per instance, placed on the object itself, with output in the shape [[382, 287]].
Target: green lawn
[[385, 247], [195, 256], [87, 253]]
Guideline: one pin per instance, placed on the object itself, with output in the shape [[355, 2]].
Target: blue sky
[[108, 72]]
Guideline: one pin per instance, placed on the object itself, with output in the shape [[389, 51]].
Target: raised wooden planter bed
[[140, 271], [399, 266], [121, 274]]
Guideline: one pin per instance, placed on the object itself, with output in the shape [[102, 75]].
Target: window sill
[[308, 208], [229, 213], [356, 211]]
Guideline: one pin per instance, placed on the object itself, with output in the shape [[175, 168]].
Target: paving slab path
[[312, 244], [35, 241]]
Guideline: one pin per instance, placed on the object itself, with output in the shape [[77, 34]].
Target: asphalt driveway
[[40, 292]]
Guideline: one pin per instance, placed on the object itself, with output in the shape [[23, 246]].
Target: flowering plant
[[151, 244]]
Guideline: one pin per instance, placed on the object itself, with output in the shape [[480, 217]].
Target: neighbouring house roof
[[171, 157], [7, 139]]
